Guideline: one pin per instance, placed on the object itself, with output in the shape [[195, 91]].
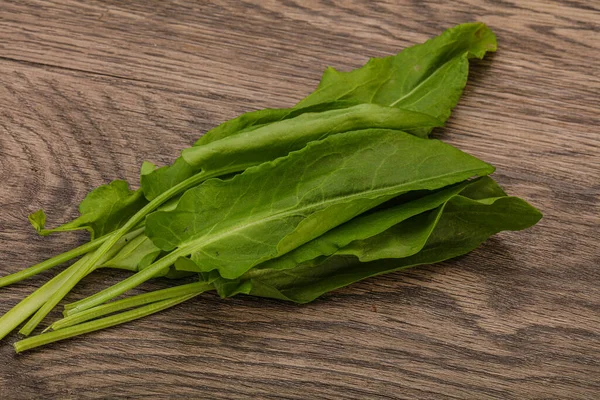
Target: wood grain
[[88, 90]]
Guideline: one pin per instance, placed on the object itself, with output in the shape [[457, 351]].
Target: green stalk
[[126, 284], [50, 302], [19, 313], [135, 301], [50, 337], [53, 262]]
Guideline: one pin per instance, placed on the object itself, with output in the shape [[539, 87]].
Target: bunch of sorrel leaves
[[290, 203]]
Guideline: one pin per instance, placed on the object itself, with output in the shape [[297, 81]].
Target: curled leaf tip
[[147, 168], [484, 40], [38, 220]]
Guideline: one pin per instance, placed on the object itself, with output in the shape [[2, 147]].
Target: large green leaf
[[426, 78], [102, 211], [155, 181], [365, 226], [238, 152], [458, 226], [273, 208], [362, 227]]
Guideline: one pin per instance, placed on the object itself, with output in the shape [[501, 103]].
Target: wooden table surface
[[90, 89]]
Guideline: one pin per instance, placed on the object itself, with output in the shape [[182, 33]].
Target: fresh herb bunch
[[290, 203]]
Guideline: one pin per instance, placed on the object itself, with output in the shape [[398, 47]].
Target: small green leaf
[[137, 254], [159, 180], [102, 211], [38, 221]]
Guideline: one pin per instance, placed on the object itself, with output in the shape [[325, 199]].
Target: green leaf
[[238, 152], [185, 265], [38, 221], [137, 254], [155, 181], [277, 206], [256, 119], [102, 211], [427, 78], [147, 168], [363, 227], [408, 238], [451, 230]]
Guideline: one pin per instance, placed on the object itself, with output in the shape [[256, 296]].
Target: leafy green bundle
[[290, 203]]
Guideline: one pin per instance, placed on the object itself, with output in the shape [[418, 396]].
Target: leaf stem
[[19, 313], [134, 301], [54, 298], [53, 262], [126, 284], [102, 323]]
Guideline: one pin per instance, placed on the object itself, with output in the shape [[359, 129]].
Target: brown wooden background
[[90, 89]]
